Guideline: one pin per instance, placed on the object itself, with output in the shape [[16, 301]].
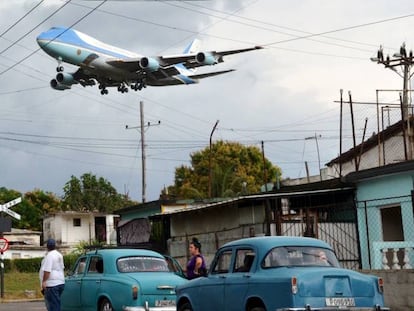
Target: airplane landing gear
[[103, 89], [138, 86], [122, 88], [59, 68]]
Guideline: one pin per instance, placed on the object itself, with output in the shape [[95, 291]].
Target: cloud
[[281, 94]]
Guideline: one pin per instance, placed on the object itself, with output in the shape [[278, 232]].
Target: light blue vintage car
[[280, 274], [122, 279]]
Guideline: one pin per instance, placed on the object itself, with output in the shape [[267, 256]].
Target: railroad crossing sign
[[5, 208]]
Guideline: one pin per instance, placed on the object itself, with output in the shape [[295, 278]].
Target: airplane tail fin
[[193, 47]]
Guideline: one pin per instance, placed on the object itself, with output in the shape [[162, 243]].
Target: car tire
[[105, 305], [186, 307]]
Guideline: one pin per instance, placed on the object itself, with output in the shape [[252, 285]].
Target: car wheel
[[186, 307], [105, 305]]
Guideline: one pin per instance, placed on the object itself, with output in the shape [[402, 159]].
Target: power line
[[34, 52], [31, 30], [21, 18]]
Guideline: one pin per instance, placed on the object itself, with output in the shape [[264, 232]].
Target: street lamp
[[317, 149], [210, 173]]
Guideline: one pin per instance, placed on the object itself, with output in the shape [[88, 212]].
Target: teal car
[[122, 279], [280, 274]]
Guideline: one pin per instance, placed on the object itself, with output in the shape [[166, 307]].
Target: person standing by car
[[196, 266], [52, 277]]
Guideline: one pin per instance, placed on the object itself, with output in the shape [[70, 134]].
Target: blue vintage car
[[122, 279], [280, 274]]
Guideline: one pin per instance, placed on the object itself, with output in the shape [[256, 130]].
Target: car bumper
[[375, 308], [146, 308]]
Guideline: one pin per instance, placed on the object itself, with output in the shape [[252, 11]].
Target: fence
[[386, 229], [336, 225]]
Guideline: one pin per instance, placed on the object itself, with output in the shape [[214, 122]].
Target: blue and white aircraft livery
[[110, 66]]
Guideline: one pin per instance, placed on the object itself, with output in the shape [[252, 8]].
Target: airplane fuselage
[[110, 66], [76, 48]]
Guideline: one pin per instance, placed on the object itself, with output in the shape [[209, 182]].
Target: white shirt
[[53, 263]]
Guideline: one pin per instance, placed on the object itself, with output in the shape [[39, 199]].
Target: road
[[26, 306]]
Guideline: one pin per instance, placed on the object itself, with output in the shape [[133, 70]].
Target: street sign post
[[4, 245]]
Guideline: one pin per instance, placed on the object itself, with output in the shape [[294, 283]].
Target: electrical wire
[[74, 24], [21, 18]]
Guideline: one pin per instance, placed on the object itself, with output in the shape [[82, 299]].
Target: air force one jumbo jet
[[110, 66]]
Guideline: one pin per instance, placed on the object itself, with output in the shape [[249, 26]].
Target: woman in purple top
[[196, 266]]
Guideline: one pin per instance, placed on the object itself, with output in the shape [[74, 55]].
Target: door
[[91, 283], [71, 295], [212, 293], [237, 282]]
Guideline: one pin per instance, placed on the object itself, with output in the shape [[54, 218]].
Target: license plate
[[340, 302], [165, 303]]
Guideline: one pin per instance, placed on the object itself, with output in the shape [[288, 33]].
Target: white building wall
[[394, 152]]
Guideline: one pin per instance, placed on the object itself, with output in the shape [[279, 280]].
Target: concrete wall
[[398, 288], [230, 223]]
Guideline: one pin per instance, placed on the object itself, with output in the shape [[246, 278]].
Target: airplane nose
[[42, 39]]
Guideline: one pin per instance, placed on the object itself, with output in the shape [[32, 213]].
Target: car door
[[211, 296], [91, 282], [237, 281], [71, 295]]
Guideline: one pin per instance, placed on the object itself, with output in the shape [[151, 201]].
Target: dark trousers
[[52, 297]]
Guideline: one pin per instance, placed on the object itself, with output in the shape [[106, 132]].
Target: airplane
[[110, 66]]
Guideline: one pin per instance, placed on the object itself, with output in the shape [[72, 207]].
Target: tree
[[236, 170], [91, 194]]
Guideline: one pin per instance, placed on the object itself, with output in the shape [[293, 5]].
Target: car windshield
[[142, 264], [300, 256]]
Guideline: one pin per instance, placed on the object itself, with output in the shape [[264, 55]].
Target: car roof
[[123, 252], [268, 242]]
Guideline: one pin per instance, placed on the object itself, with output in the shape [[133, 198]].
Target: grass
[[19, 285]]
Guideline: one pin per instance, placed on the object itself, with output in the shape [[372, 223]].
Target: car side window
[[80, 266], [95, 265], [244, 260], [222, 263]]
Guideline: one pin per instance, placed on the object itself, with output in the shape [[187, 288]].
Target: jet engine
[[149, 64], [206, 58], [54, 84], [63, 81], [65, 78]]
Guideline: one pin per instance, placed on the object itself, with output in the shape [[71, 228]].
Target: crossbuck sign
[[5, 208]]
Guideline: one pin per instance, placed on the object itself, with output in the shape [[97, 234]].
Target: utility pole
[[403, 61], [143, 158]]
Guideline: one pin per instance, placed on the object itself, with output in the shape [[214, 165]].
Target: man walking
[[52, 276]]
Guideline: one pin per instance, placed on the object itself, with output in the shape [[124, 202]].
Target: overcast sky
[[280, 95]]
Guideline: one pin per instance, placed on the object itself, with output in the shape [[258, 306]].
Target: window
[[80, 267], [299, 256], [95, 265], [142, 264], [244, 260], [76, 222], [222, 262]]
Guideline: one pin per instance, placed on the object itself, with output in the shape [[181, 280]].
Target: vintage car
[[122, 279], [280, 274]]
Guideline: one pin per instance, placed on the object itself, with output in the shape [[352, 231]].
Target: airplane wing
[[202, 58], [192, 60], [210, 74]]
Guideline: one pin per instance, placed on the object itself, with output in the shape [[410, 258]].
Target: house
[[23, 244], [383, 148], [71, 227], [384, 199], [324, 210]]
